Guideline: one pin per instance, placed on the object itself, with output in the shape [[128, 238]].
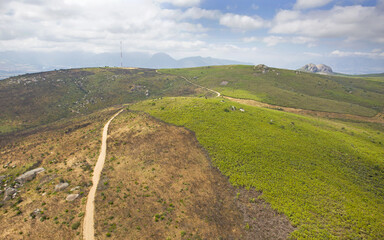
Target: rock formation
[[72, 197], [28, 176], [61, 186], [319, 68]]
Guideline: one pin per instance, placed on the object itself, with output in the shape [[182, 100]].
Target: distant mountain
[[16, 63], [161, 60], [319, 68]]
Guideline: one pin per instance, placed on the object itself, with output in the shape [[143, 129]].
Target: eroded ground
[[68, 152], [158, 183]]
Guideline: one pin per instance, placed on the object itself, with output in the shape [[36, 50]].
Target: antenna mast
[[121, 53]]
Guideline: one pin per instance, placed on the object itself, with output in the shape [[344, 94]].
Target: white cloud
[[181, 3], [145, 25], [373, 54], [303, 40], [350, 22], [305, 4], [274, 40], [251, 39], [93, 25], [312, 54], [242, 22]]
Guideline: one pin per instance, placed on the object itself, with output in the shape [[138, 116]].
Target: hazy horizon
[[345, 35]]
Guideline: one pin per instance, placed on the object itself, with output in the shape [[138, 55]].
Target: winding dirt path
[[88, 225], [379, 118], [218, 94]]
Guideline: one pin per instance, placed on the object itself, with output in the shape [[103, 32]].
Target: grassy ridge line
[[34, 99], [350, 95], [327, 177]]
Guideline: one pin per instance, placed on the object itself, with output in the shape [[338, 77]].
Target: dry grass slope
[[68, 151], [159, 184]]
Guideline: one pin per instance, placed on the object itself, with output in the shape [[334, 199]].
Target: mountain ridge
[[15, 63]]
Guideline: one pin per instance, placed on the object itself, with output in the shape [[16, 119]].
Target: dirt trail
[[88, 225], [167, 186], [218, 94], [379, 118]]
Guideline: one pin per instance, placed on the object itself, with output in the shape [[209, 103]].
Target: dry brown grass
[[67, 151], [158, 183]]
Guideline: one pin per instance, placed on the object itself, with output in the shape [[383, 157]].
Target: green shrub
[[75, 225], [323, 178]]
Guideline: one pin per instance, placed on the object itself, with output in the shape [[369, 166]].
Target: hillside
[[34, 99], [158, 182], [327, 177], [350, 95], [290, 155], [67, 151]]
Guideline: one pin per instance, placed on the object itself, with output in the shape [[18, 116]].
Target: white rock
[[9, 193], [72, 197], [28, 176], [61, 186]]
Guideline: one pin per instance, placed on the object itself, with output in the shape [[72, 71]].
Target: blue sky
[[348, 35]]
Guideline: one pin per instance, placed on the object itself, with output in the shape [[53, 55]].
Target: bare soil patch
[[158, 183], [68, 152]]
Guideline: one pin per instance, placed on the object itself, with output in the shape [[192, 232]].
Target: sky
[[348, 35]]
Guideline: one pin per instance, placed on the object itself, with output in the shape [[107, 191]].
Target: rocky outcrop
[[9, 193], [261, 68], [61, 186], [28, 176], [324, 69], [319, 68], [310, 68], [75, 188], [72, 197]]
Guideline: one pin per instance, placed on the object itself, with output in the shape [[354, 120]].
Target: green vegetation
[[75, 225], [326, 176], [35, 99], [342, 94]]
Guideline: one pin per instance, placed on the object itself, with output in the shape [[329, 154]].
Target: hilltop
[[362, 96], [34, 99], [16, 63]]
